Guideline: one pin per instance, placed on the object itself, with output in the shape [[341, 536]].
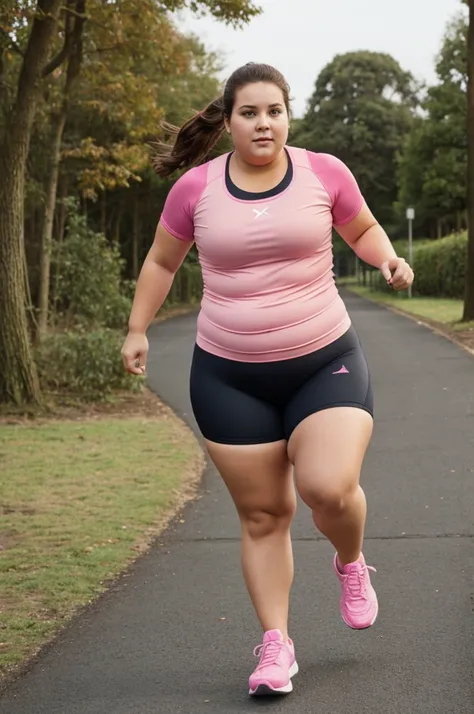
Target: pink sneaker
[[276, 667], [359, 606]]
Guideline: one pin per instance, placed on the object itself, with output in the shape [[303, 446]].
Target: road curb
[[432, 325]]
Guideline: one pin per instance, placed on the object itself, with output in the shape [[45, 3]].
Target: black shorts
[[257, 403]]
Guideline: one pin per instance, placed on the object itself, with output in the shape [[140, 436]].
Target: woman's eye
[[250, 113]]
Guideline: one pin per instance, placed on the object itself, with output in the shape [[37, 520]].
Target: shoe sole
[[364, 627], [266, 690]]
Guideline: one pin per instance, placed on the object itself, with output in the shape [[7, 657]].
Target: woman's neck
[[252, 169]]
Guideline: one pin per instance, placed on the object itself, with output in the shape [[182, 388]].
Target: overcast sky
[[300, 37]]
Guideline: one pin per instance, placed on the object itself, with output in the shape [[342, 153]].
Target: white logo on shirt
[[260, 213]]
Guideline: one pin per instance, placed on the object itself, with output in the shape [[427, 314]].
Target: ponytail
[[194, 140]]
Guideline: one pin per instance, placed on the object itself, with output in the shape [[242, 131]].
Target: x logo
[[260, 213]]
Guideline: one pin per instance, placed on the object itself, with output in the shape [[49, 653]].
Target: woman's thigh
[[259, 479], [244, 437], [329, 424], [226, 409], [328, 449], [344, 381]]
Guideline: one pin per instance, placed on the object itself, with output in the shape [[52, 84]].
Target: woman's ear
[[227, 125]]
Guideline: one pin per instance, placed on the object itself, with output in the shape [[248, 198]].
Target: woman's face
[[259, 123]]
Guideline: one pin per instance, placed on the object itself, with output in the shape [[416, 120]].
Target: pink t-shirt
[[269, 290]]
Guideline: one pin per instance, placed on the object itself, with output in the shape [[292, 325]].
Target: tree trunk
[[135, 235], [75, 28], [60, 230], [116, 235], [469, 289], [18, 377], [103, 213], [62, 210], [439, 228], [48, 220]]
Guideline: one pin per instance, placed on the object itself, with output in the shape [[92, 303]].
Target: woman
[[279, 383]]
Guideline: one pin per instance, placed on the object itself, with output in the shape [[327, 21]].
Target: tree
[[28, 37], [361, 110], [432, 166], [154, 72], [18, 378], [73, 29], [468, 313]]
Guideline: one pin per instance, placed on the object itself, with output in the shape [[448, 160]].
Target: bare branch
[[112, 48], [64, 53], [81, 15], [59, 59]]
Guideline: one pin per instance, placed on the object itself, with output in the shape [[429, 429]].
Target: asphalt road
[[176, 634]]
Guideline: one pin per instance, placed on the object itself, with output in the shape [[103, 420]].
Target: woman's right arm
[[154, 283]]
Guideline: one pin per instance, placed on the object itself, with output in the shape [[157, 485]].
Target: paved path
[[177, 634]]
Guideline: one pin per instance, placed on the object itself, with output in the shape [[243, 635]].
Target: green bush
[[401, 246], [89, 288], [84, 363], [439, 265]]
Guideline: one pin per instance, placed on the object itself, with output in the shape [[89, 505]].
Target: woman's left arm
[[371, 244]]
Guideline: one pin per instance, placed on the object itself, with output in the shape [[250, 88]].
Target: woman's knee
[[331, 497], [261, 522]]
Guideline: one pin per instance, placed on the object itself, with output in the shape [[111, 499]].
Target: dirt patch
[[7, 540], [62, 407], [6, 509], [466, 337]]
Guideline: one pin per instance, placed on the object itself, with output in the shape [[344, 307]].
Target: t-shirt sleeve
[[177, 216], [340, 184]]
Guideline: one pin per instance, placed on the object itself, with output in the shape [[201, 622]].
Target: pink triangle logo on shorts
[[343, 370]]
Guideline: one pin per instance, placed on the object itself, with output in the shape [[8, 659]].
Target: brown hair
[[197, 137]]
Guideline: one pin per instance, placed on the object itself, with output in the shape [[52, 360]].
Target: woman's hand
[[135, 352], [397, 273]]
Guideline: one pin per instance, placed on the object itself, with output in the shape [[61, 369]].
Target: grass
[[441, 310], [79, 501]]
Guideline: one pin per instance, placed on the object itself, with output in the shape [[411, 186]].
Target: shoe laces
[[269, 652], [356, 581]]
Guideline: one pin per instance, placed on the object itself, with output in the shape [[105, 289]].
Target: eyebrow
[[253, 106]]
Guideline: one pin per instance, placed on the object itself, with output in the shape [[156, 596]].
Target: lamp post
[[410, 219]]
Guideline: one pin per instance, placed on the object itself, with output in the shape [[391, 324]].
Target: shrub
[[84, 363], [89, 289], [439, 265]]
